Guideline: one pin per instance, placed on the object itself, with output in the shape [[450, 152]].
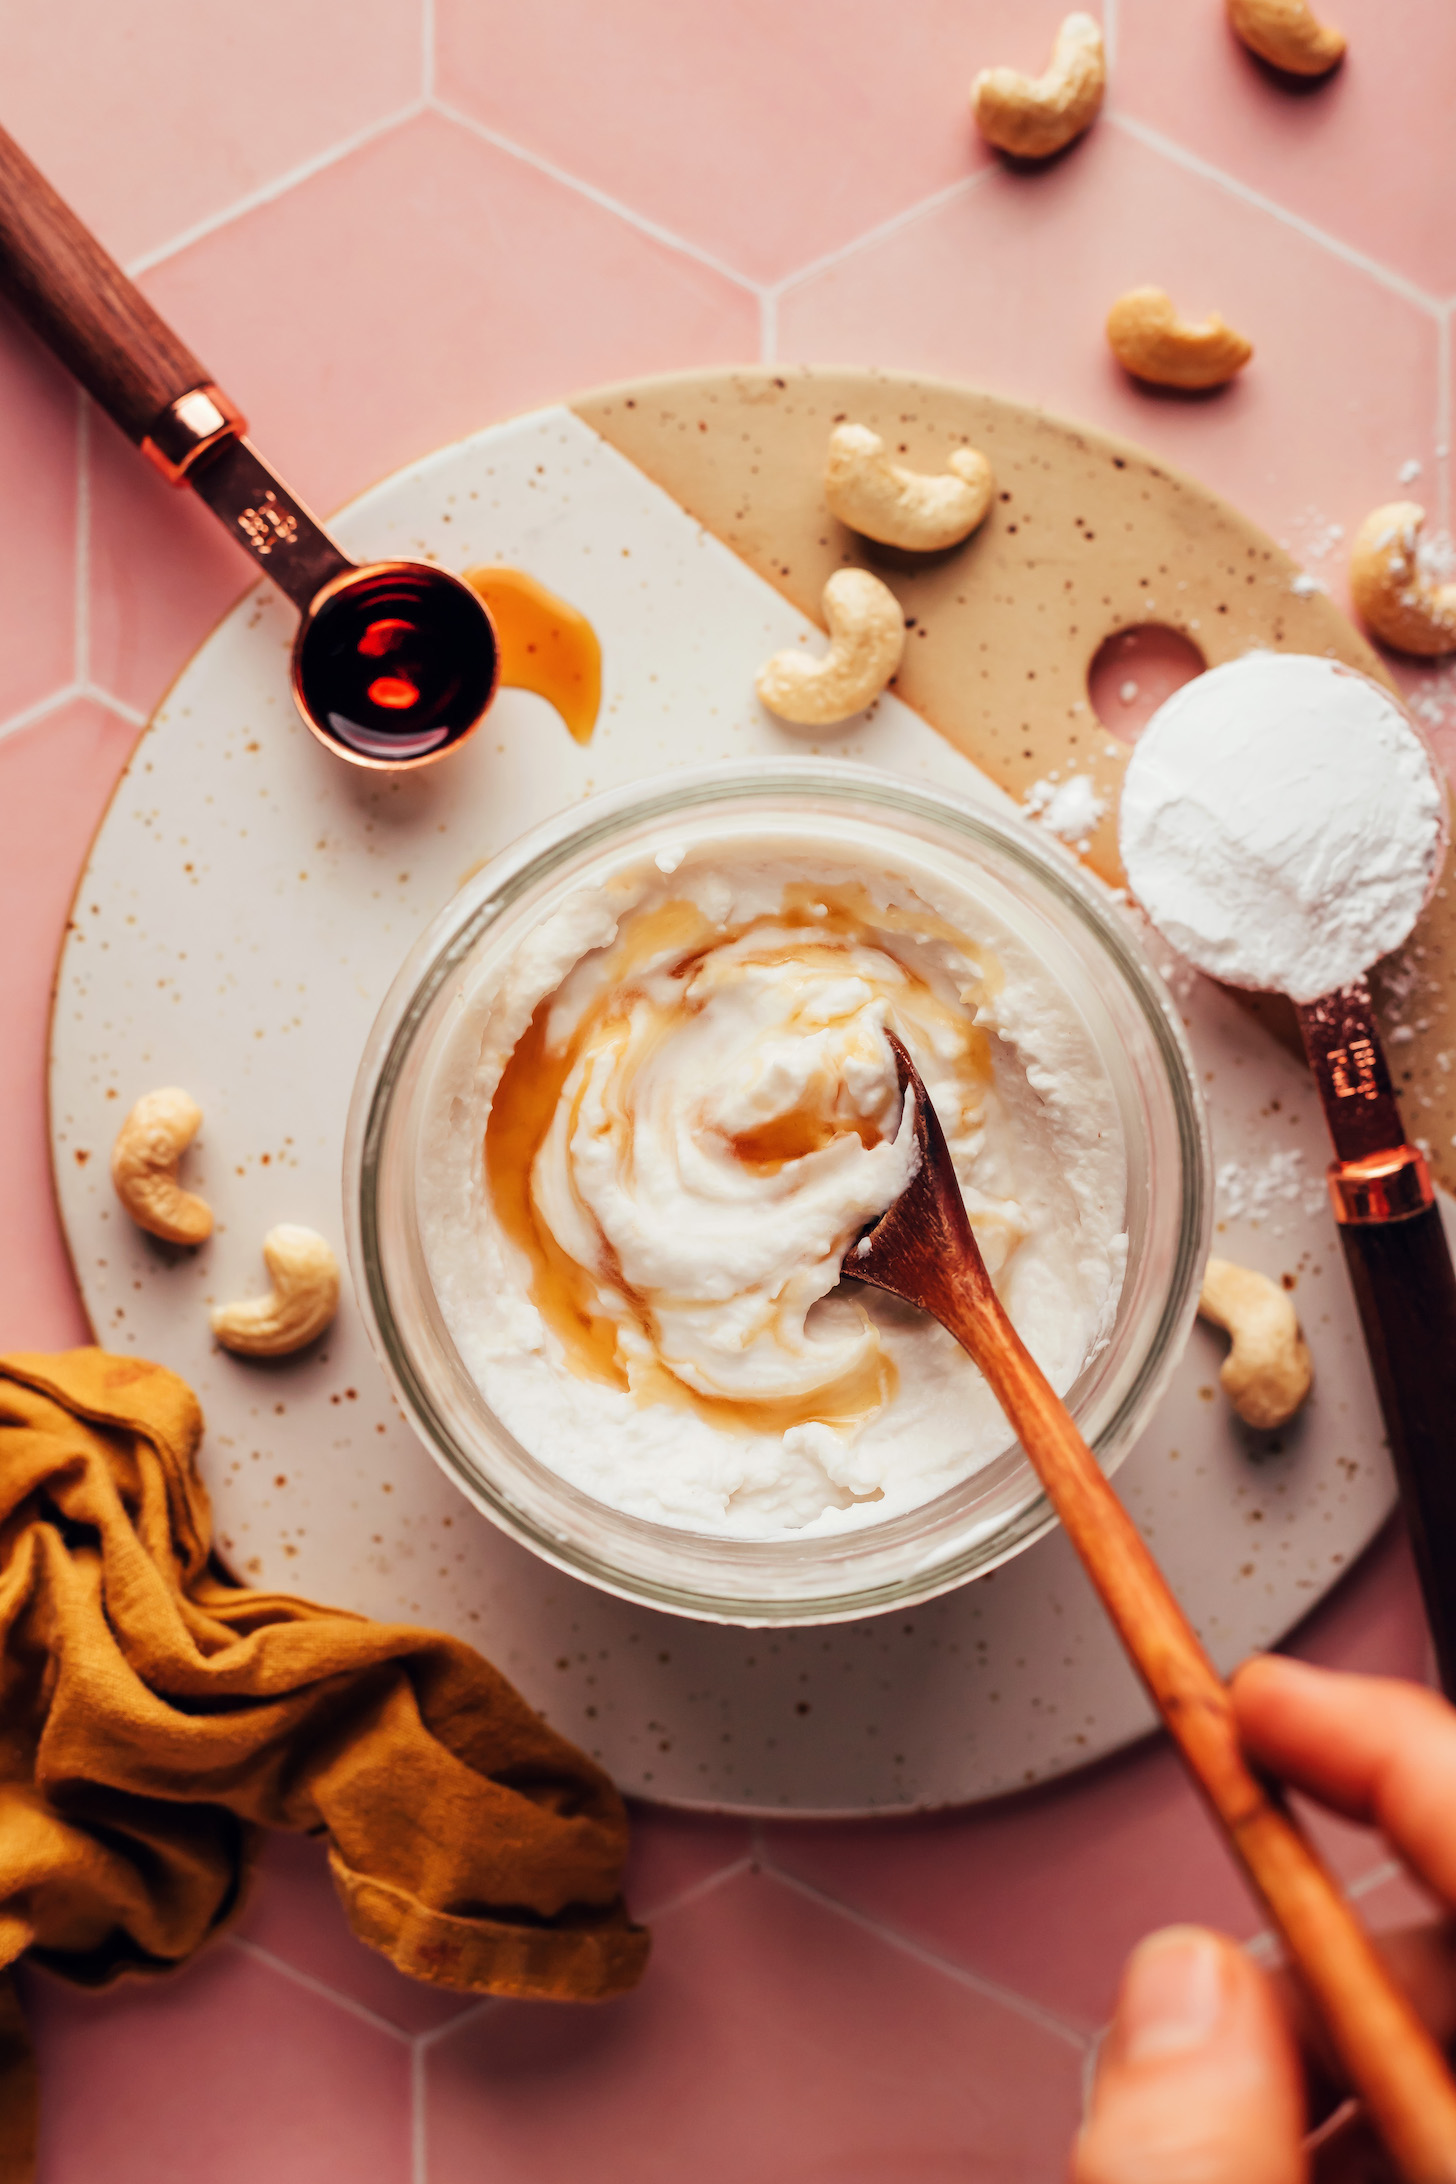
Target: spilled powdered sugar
[[1069, 809], [1256, 1190]]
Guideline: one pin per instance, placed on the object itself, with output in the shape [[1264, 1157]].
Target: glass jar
[[1084, 945]]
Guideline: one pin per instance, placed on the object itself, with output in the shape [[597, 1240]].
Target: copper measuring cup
[[395, 662]]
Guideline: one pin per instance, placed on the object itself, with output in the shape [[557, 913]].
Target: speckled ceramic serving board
[[247, 902]]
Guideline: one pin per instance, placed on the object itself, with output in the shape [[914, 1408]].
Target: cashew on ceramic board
[[1404, 601], [1151, 341], [866, 640], [302, 1301], [1267, 1373], [1033, 116], [144, 1160], [919, 511], [1288, 34]]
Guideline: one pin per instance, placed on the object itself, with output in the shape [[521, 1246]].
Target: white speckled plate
[[247, 901]]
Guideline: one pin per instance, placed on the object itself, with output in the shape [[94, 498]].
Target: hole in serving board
[[1134, 670]]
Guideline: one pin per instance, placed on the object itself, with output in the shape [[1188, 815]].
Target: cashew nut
[[302, 1301], [867, 637], [1034, 116], [1267, 1373], [144, 1160], [1288, 35], [882, 500], [1150, 340], [1404, 603]]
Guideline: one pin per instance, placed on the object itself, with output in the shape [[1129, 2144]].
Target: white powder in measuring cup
[[1282, 823]]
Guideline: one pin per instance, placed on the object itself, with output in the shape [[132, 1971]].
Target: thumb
[[1198, 2081]]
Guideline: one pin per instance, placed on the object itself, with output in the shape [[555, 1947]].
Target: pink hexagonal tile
[[55, 779], [1043, 1893], [1047, 1892], [461, 285], [1365, 154], [38, 541], [430, 284], [294, 1914], [152, 118], [768, 142], [772, 2039], [226, 2070], [1009, 286]]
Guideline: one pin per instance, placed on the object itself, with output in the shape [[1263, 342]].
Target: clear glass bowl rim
[[532, 857]]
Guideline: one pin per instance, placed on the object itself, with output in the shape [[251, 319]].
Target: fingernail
[[1172, 1996]]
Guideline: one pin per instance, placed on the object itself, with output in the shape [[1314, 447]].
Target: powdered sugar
[[1282, 823], [1257, 1190], [1070, 808]]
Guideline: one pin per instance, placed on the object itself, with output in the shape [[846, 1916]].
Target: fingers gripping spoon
[[1283, 825], [395, 661], [923, 1250]]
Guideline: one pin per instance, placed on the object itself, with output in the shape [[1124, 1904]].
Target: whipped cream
[[1282, 823], [656, 1136]]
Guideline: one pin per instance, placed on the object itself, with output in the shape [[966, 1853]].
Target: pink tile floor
[[388, 223]]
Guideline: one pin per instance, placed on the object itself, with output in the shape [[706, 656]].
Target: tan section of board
[[1087, 536]]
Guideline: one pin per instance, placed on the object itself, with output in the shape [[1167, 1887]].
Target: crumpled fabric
[[155, 1718]]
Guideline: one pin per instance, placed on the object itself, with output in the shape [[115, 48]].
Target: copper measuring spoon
[[395, 662], [923, 1249]]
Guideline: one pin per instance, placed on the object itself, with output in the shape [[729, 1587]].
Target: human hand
[[1211, 2072]]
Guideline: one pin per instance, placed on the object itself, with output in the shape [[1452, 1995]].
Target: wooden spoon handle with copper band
[[1392, 2061]]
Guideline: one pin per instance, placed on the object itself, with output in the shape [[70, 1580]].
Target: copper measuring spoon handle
[[395, 662], [86, 310], [924, 1251], [74, 295], [1399, 1262]]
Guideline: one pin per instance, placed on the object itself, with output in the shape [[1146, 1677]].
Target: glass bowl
[[1087, 947]]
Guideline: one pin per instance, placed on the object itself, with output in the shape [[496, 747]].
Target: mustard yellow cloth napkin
[[155, 1717]]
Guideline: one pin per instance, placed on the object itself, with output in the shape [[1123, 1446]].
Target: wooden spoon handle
[[1392, 2061], [85, 309]]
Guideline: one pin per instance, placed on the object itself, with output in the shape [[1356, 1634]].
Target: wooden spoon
[[923, 1250]]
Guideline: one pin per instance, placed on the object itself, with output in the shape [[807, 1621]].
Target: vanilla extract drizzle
[[721, 1082]]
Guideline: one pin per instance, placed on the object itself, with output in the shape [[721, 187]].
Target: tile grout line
[[1390, 1869], [695, 1890], [1180, 156], [1109, 33], [307, 1981], [595, 196], [427, 50], [424, 2041], [963, 186], [113, 704], [42, 708], [269, 192], [82, 609], [768, 328], [1265, 1947], [1005, 1997]]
